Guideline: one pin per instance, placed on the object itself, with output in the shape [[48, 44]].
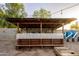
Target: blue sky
[[53, 7]]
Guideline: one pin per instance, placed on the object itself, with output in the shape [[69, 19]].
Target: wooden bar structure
[[41, 38]]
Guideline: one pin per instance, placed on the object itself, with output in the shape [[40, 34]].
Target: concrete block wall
[[7, 33]]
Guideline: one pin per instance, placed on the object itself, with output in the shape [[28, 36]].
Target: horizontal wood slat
[[40, 42]]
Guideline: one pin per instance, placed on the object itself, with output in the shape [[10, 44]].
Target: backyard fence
[[7, 33]]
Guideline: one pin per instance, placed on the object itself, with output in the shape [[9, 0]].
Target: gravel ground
[[7, 48]]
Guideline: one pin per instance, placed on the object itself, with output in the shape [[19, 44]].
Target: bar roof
[[53, 20], [24, 22]]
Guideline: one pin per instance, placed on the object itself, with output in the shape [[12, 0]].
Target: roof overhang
[[34, 22]]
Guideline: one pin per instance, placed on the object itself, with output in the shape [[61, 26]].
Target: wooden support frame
[[41, 27], [63, 29], [39, 23], [18, 28], [42, 40]]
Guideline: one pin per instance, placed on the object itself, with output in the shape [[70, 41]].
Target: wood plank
[[37, 42], [64, 51]]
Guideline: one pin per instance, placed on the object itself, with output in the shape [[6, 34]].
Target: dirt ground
[[7, 48]]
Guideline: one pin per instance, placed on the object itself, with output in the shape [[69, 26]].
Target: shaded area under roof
[[35, 22]]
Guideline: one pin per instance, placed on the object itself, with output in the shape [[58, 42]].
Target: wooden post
[[41, 27], [63, 30], [41, 32], [17, 27], [76, 26]]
